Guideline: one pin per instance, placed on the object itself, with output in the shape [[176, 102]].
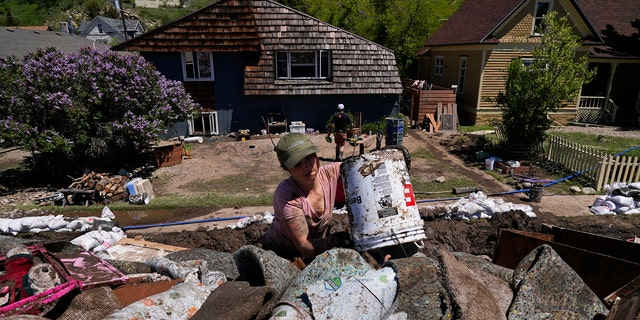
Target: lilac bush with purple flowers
[[94, 108]]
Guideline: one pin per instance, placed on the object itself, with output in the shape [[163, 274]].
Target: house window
[[197, 66], [303, 64], [100, 30], [462, 75], [527, 61], [438, 70], [542, 8]]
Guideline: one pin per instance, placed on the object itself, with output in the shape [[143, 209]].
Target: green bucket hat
[[293, 147]]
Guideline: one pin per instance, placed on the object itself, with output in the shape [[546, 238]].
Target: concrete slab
[[565, 205]]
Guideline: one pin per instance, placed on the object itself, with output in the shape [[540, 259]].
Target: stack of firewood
[[109, 188]]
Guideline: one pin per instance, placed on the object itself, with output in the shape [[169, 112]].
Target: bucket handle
[[421, 245]]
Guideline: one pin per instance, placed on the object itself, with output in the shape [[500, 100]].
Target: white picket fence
[[601, 167], [618, 169]]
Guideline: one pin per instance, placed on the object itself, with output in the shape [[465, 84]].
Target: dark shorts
[[340, 137]]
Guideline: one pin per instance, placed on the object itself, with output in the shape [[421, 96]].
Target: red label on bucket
[[409, 197]]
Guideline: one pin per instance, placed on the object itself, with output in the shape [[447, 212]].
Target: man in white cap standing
[[340, 123]]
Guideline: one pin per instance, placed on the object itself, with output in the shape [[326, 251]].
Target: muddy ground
[[453, 157], [249, 168]]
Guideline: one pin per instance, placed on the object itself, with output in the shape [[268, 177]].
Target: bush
[[93, 109]]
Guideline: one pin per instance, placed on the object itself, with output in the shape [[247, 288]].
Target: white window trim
[[317, 65], [208, 121], [438, 68], [535, 14], [184, 68], [462, 74]]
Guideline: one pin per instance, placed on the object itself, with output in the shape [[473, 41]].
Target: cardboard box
[[299, 129], [524, 168]]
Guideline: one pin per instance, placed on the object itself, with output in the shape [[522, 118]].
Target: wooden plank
[[148, 244], [603, 273]]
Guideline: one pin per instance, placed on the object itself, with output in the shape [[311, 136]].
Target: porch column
[[612, 73]]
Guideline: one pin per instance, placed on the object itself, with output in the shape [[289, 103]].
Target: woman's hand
[[299, 232]]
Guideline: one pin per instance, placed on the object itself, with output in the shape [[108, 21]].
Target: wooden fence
[[618, 169], [601, 167]]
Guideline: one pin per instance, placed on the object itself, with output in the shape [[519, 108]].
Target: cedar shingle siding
[[359, 66]]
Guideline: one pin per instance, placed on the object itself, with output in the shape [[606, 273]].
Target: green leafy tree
[[400, 25], [93, 8], [91, 109], [10, 20], [550, 82]]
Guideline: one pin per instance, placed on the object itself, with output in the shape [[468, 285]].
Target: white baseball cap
[[340, 106]]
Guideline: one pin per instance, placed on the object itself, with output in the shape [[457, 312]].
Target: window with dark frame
[[462, 75], [542, 8], [303, 64], [438, 68], [197, 66]]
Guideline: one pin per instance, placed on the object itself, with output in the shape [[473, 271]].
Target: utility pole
[[124, 23]]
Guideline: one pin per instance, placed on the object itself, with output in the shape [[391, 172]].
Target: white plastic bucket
[[488, 163], [380, 200]]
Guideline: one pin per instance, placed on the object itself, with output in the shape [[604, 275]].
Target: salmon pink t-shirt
[[290, 201]]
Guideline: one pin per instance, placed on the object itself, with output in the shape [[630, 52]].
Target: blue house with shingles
[[257, 64]]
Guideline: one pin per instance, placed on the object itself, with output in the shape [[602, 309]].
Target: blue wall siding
[[237, 111], [314, 111]]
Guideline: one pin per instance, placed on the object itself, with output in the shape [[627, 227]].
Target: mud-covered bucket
[[535, 193], [380, 200]]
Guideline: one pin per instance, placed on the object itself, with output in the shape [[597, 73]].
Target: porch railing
[[596, 110]]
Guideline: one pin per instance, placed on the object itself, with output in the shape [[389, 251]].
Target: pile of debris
[[105, 275], [91, 188]]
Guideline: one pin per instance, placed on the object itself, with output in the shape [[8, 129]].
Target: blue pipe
[[144, 226], [527, 190]]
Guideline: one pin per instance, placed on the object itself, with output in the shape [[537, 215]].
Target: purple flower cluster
[[63, 101]]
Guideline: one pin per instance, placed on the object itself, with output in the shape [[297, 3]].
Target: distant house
[[108, 30], [472, 49], [19, 42], [160, 3], [261, 65]]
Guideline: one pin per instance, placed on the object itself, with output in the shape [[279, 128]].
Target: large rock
[[421, 293], [478, 294], [547, 288], [482, 263]]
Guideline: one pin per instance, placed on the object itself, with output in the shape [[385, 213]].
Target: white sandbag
[[91, 240], [367, 297], [4, 225], [622, 201], [57, 222], [632, 211], [40, 222]]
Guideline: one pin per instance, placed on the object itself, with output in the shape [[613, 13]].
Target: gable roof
[[618, 16], [475, 21], [19, 42], [264, 27], [114, 24]]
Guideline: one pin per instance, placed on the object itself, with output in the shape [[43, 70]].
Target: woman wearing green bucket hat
[[303, 203]]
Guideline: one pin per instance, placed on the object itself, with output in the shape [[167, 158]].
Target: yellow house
[[471, 50]]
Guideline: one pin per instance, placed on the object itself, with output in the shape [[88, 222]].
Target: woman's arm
[[298, 233]]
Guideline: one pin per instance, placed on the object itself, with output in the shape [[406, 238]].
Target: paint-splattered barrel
[[380, 200]]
